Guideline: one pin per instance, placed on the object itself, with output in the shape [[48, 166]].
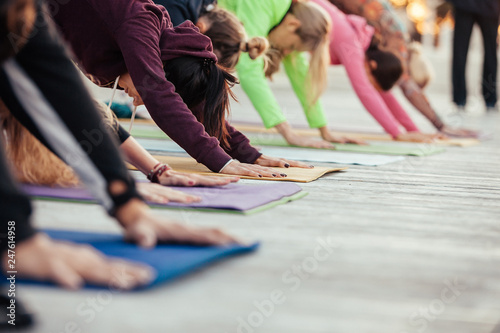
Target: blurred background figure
[[392, 31], [484, 13], [444, 14]]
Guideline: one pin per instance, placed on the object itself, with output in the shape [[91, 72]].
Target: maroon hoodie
[[112, 37]]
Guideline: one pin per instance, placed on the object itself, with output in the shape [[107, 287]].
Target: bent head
[[204, 86], [384, 68], [229, 38], [306, 27], [128, 86]]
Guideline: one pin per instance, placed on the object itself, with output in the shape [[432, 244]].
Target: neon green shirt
[[259, 17]]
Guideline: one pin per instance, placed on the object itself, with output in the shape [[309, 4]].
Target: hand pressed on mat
[[71, 265], [250, 170], [145, 229], [328, 136], [418, 137], [459, 132], [161, 194], [296, 140], [268, 161], [175, 178]]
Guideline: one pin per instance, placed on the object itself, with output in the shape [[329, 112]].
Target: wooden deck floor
[[402, 248]]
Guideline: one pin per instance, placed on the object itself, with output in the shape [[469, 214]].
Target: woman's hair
[[202, 83], [314, 32], [31, 161], [419, 67], [229, 38], [389, 66]]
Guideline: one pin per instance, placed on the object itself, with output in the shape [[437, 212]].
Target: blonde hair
[[419, 67], [229, 38], [31, 161], [314, 33]]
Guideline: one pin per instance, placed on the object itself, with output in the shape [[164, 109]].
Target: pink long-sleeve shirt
[[350, 38]]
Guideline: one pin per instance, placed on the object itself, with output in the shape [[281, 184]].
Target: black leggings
[[44, 91], [464, 22]]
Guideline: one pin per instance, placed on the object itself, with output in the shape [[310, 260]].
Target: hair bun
[[255, 47]]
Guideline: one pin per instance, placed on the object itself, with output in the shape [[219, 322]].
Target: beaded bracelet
[[155, 174], [152, 171]]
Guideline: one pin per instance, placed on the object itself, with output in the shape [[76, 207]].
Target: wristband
[[225, 165]]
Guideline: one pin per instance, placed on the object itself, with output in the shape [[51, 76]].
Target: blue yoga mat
[[168, 260]]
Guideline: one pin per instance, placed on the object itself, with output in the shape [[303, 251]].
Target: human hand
[[296, 140], [160, 194], [301, 141], [328, 136], [251, 170], [343, 139], [417, 137], [145, 229], [71, 265], [175, 178], [268, 161], [459, 132]]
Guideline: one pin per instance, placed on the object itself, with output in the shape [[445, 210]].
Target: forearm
[[255, 85], [240, 147], [285, 130], [297, 70], [375, 105], [417, 98], [136, 155], [398, 112]]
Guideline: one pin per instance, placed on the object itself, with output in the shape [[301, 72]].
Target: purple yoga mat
[[230, 197]]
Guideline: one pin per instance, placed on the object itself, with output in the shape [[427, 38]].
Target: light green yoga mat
[[417, 149], [149, 133], [406, 149]]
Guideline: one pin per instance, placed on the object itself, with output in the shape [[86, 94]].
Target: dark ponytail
[[389, 66], [201, 82]]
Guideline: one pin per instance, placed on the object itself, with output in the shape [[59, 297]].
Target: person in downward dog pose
[[372, 72], [292, 28], [173, 71], [393, 36]]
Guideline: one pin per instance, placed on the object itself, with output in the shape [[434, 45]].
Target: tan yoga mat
[[187, 164], [457, 142]]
